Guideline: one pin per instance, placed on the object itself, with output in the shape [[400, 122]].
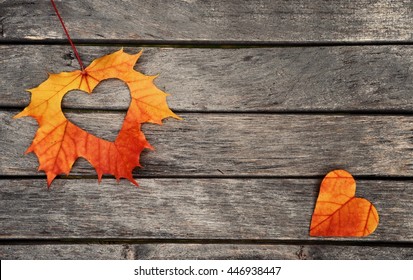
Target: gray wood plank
[[265, 20], [202, 252], [350, 78], [239, 144], [268, 252], [64, 252], [190, 209]]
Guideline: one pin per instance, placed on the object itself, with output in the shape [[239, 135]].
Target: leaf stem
[[82, 67]]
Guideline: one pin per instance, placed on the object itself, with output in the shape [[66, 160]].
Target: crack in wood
[[128, 252]]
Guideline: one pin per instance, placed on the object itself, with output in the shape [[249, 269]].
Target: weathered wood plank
[[239, 144], [190, 209], [64, 252], [347, 78], [269, 252], [265, 20], [202, 251]]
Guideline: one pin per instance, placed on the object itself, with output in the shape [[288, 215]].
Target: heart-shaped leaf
[[338, 212]]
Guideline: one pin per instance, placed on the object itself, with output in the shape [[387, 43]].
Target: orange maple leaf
[[58, 142], [338, 212]]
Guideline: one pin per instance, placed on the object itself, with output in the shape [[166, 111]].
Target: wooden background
[[274, 94]]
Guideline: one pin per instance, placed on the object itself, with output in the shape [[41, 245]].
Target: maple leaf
[[338, 212], [58, 142]]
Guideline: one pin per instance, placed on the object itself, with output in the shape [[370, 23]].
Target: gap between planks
[[204, 44], [70, 241], [217, 177], [326, 112]]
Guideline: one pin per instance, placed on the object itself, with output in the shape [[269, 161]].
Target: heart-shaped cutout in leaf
[[338, 212], [58, 142], [95, 121]]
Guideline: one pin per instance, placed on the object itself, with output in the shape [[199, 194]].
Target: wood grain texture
[[188, 20], [239, 144], [221, 175], [350, 78], [188, 209], [268, 252], [64, 252], [202, 252]]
